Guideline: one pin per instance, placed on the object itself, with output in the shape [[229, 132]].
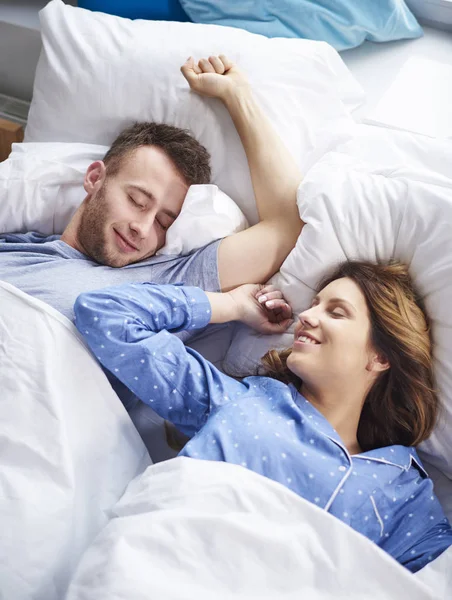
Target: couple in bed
[[336, 416]]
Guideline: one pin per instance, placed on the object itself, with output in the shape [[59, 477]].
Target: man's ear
[[378, 362], [94, 177]]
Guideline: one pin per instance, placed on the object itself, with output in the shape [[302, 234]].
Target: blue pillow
[[158, 10], [342, 23]]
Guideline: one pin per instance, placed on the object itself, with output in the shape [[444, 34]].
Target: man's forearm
[[274, 174]]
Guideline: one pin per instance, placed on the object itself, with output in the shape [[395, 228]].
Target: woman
[[335, 417]]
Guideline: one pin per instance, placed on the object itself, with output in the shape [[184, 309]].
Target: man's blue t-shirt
[[50, 270]]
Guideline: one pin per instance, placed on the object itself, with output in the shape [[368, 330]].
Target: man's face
[[126, 216]]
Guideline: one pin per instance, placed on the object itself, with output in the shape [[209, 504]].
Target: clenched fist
[[215, 77]]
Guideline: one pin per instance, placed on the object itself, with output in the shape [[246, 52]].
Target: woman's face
[[332, 337]]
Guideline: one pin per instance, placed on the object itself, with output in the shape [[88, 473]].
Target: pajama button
[[342, 468]]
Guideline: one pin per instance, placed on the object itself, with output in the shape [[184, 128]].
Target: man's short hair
[[189, 157]]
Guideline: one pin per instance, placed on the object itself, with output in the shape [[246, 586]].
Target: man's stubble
[[92, 234]]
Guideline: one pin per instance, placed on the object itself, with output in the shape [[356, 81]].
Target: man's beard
[[92, 234]]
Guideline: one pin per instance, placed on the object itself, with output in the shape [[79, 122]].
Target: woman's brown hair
[[402, 405]]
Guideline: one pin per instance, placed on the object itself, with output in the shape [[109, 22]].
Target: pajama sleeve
[[129, 329], [431, 545]]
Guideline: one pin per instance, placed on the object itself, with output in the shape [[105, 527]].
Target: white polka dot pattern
[[269, 428]]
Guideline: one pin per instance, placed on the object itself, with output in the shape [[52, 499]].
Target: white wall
[[19, 53], [20, 45]]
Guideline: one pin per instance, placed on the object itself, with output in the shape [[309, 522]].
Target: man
[[137, 191]]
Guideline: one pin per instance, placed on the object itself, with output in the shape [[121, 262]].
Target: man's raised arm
[[255, 254]]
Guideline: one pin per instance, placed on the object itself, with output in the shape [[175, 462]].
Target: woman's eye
[[336, 314]]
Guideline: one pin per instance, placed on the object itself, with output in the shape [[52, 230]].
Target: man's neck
[[69, 235]]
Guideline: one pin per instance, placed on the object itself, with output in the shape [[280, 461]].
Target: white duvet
[[190, 529], [67, 449], [183, 529]]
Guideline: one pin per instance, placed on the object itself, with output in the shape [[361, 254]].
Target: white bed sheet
[[375, 66]]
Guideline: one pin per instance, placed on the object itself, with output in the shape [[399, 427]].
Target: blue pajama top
[[259, 423]]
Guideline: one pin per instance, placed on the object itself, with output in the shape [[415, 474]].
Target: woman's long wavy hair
[[402, 405]]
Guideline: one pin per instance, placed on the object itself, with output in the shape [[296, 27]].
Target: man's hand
[[215, 77]]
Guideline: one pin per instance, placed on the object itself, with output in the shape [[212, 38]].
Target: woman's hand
[[262, 307], [215, 77]]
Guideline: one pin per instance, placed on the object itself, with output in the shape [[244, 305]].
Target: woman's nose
[[308, 318]]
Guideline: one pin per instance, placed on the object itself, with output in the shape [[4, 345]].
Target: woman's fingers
[[285, 311], [268, 293], [264, 289], [278, 310], [275, 304]]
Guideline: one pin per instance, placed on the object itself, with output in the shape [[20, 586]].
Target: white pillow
[[41, 187], [207, 214], [381, 194], [98, 73]]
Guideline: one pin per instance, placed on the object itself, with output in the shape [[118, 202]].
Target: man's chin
[[117, 262], [113, 260]]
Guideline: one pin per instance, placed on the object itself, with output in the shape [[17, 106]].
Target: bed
[[377, 67], [85, 513]]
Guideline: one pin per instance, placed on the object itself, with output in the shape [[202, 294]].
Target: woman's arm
[[129, 327], [423, 551]]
